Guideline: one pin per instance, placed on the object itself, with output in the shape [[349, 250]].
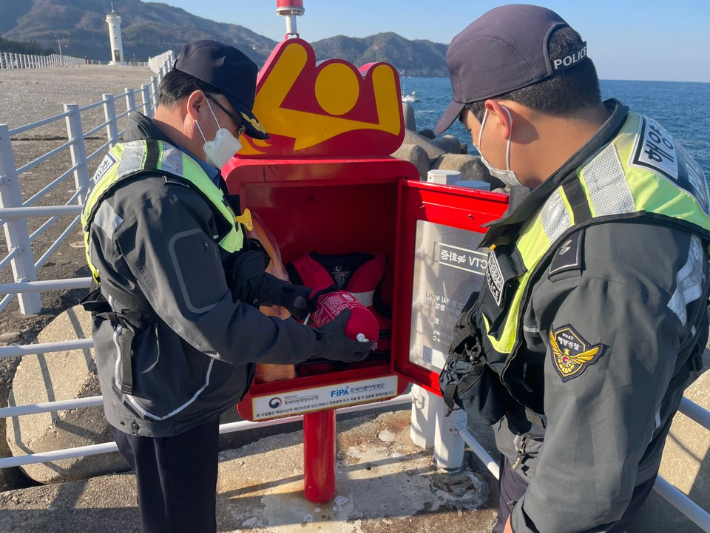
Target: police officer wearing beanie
[[177, 328], [592, 319]]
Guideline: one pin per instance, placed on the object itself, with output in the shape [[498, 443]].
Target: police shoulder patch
[[571, 353], [569, 254]]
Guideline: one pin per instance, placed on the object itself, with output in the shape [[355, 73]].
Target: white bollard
[[423, 422], [448, 444]]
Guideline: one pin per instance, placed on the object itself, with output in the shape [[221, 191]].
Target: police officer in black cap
[[592, 319], [177, 328]]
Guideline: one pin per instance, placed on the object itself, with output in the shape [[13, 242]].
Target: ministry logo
[[275, 402]]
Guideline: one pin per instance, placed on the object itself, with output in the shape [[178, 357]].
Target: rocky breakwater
[[428, 152]]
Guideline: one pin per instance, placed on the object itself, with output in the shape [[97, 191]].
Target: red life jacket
[[358, 273]]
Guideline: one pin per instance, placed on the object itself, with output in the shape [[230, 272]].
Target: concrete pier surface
[[383, 484], [29, 95]]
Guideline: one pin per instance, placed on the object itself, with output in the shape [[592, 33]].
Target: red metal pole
[[319, 456]]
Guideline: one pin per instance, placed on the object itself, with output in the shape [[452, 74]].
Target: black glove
[[295, 298], [333, 344]]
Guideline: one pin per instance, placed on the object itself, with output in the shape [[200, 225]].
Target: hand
[[333, 344], [300, 300], [296, 298]]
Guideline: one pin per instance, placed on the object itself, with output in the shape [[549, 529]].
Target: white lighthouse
[[114, 30]]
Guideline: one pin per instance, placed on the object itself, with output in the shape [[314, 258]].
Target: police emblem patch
[[571, 353]]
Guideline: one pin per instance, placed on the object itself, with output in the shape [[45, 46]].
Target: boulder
[[448, 143], [470, 167], [410, 123], [429, 134], [432, 150], [416, 155], [57, 376]]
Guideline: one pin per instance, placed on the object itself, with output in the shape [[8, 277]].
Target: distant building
[[114, 31]]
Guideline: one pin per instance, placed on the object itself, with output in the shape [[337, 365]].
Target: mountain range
[[149, 29]]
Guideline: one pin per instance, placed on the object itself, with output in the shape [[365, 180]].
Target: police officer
[[177, 329], [592, 317]]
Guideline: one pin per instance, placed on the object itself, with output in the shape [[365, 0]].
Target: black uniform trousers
[[513, 487], [176, 478]]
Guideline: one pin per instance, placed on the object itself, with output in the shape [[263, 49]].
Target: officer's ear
[[195, 104], [500, 119]]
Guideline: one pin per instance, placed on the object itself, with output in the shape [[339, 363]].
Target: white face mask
[[506, 176], [219, 151]]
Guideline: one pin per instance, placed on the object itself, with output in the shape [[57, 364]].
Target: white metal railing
[[108, 447], [158, 62], [10, 60], [15, 212]]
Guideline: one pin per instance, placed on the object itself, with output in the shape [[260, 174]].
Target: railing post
[[75, 133], [130, 100], [145, 93], [154, 89], [16, 233], [110, 116]]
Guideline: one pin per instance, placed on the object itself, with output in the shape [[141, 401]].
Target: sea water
[[680, 107]]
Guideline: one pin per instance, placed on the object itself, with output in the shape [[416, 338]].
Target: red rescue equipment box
[[324, 181]]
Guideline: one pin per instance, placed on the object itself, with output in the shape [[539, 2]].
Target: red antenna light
[[290, 9]]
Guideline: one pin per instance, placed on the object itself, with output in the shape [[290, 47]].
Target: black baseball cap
[[230, 72], [503, 50]]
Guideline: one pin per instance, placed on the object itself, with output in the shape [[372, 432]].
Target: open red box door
[[438, 265]]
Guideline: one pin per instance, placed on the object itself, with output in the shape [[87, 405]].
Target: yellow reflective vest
[[642, 174], [129, 160]]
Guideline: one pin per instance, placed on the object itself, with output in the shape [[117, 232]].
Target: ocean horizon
[[679, 106]]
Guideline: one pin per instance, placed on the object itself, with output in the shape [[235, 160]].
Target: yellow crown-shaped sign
[[327, 109]]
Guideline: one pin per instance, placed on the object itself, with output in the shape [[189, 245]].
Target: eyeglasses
[[241, 127]]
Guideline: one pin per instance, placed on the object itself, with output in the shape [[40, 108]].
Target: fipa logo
[[275, 402], [340, 392]]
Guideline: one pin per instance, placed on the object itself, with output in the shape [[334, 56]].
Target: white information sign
[[328, 397], [448, 267]]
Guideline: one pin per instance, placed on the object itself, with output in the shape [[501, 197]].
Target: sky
[[627, 39]]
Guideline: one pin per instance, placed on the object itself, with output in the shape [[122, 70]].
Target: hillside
[[150, 28], [411, 58]]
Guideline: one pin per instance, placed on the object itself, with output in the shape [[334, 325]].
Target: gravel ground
[[28, 96]]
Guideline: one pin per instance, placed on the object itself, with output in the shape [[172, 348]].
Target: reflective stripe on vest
[[641, 173], [126, 160]]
